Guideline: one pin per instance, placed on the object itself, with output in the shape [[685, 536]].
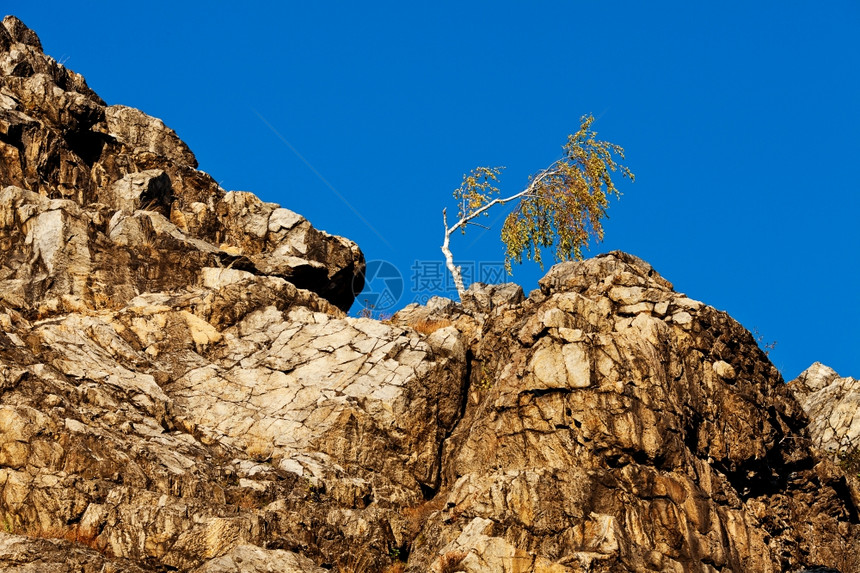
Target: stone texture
[[22, 554], [181, 390], [832, 403], [64, 152], [184, 425], [600, 439], [484, 298], [252, 559]]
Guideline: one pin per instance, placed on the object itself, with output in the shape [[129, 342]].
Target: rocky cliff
[[180, 390], [833, 405], [102, 203]]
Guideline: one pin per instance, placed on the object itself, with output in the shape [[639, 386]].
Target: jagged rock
[[251, 559], [141, 132], [180, 390], [59, 141], [141, 191], [484, 298], [282, 243], [833, 406], [608, 436], [223, 416], [22, 554], [16, 31]]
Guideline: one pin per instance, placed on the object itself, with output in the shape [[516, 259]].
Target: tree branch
[[456, 272]]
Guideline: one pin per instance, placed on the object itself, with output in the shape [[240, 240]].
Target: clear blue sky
[[741, 121]]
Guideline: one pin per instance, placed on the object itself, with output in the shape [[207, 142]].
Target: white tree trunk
[[449, 259], [456, 272]]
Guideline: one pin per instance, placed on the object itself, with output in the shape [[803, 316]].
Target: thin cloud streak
[[323, 179]]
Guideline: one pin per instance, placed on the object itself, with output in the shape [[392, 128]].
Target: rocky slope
[[833, 405], [180, 390], [615, 425], [102, 203]]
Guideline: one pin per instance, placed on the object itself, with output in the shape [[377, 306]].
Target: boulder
[[832, 403]]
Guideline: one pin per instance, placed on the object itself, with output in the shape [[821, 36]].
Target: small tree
[[562, 205]]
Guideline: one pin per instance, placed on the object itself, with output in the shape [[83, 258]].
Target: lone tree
[[562, 205]]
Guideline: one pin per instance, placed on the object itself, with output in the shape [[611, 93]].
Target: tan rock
[[252, 559], [173, 399], [647, 441], [75, 161], [831, 402], [724, 370]]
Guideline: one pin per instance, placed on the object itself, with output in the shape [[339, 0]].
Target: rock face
[[833, 406], [181, 390], [102, 203], [613, 424]]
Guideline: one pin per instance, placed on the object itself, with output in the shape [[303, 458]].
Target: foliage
[[765, 346], [487, 379], [366, 311], [561, 207], [568, 199], [475, 191], [369, 311]]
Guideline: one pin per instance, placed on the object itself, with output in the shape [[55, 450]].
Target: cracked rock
[[182, 390]]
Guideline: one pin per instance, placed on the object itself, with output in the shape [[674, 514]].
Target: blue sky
[[741, 121]]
